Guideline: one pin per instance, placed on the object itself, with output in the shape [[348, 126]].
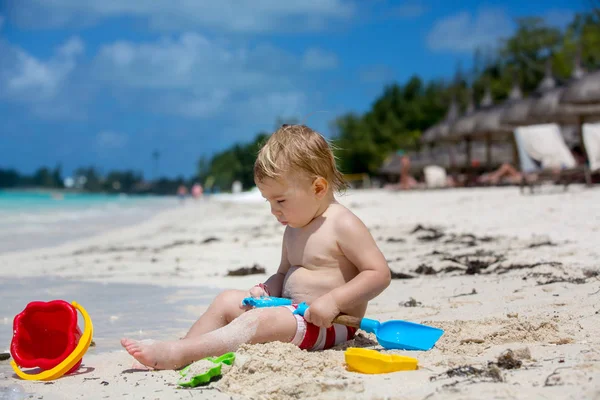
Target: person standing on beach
[[197, 191], [328, 260], [182, 193]]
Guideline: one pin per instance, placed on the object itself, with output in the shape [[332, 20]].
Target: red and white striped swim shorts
[[312, 337]]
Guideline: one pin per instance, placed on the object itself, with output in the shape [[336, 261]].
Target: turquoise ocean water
[[30, 219]]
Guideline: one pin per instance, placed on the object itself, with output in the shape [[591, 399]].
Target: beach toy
[[266, 301], [369, 361], [394, 334], [191, 379], [46, 335]]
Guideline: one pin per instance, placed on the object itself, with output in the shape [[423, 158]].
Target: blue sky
[[104, 83]]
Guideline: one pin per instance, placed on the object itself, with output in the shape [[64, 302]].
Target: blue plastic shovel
[[395, 334]]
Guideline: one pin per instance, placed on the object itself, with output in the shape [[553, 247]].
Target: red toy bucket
[[46, 335]]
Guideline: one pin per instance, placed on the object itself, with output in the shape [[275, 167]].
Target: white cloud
[[44, 85], [72, 48], [317, 59], [26, 78], [195, 77], [109, 140], [463, 32], [225, 15], [188, 75], [191, 61], [193, 105]]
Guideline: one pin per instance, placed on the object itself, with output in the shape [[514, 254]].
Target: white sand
[[552, 327]]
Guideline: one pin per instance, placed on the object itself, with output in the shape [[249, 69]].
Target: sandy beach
[[495, 269]]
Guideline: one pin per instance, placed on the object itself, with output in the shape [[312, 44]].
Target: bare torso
[[317, 262]]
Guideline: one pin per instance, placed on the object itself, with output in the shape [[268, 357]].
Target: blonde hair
[[298, 148]]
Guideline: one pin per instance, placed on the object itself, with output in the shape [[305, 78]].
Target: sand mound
[[472, 337], [283, 371]]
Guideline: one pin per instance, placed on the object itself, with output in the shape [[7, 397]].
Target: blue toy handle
[[370, 325], [267, 301], [302, 307], [259, 302]]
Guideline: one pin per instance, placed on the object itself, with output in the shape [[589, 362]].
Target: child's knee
[[228, 302], [260, 318], [271, 324], [230, 297]]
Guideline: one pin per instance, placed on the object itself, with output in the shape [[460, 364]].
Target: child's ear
[[320, 187]]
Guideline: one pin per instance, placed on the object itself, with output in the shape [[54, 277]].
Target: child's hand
[[322, 311], [255, 291]]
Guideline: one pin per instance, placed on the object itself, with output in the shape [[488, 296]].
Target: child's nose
[[275, 211]]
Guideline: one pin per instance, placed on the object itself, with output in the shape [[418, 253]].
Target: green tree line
[[91, 180], [43, 177]]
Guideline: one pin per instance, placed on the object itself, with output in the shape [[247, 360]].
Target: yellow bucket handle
[[84, 343]]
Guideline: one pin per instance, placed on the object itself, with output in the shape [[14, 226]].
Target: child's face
[[293, 201]]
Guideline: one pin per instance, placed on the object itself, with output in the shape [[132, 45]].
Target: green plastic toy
[[194, 380]]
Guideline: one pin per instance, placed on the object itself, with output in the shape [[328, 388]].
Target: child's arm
[[275, 282], [359, 247]]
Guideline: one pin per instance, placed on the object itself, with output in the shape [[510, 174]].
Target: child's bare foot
[[154, 354]]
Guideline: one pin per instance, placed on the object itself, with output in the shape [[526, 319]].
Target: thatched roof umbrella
[[581, 99], [584, 91], [502, 151], [440, 130], [440, 155], [464, 127], [548, 107], [519, 112], [393, 164], [489, 125]]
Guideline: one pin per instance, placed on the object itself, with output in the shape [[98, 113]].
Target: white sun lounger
[[543, 151], [591, 141]]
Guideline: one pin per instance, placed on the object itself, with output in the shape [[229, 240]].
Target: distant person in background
[[406, 180], [182, 192], [197, 191], [505, 173]]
